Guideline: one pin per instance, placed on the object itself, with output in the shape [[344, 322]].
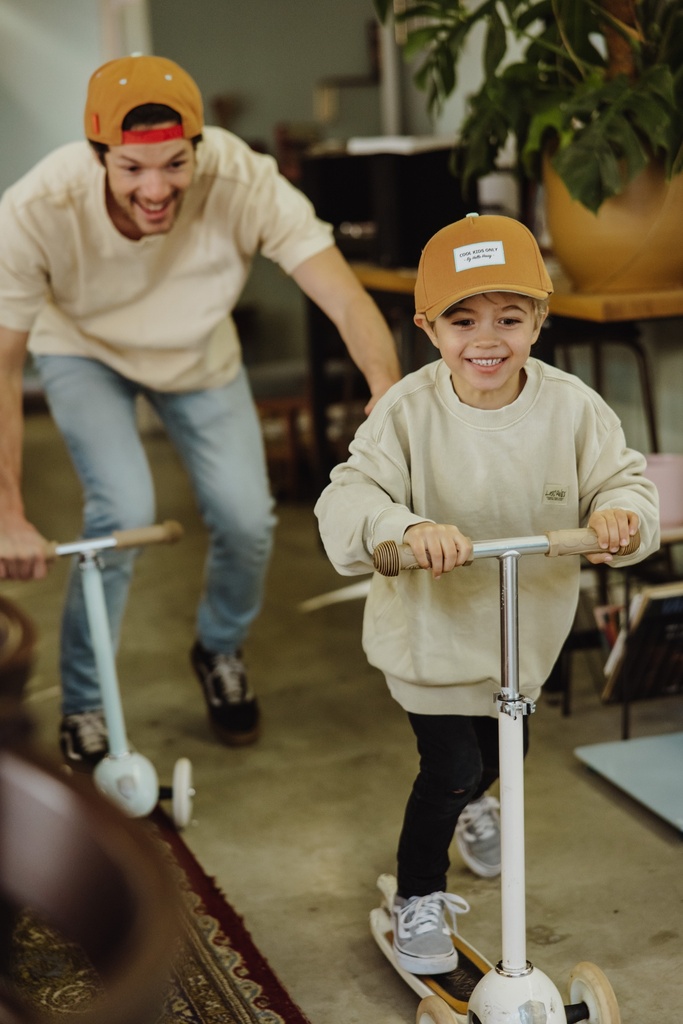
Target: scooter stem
[[98, 622], [512, 708]]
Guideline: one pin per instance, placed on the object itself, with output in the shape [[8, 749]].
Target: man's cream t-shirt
[[156, 310]]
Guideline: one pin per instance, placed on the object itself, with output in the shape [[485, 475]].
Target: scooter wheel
[[588, 984], [433, 1010], [182, 793]]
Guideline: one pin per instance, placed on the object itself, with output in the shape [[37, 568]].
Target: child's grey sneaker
[[83, 739], [423, 927], [477, 835]]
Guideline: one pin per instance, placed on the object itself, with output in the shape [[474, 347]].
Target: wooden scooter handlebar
[[390, 558], [161, 533], [584, 542]]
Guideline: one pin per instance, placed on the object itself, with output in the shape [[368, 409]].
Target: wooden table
[[602, 320], [598, 308], [617, 307]]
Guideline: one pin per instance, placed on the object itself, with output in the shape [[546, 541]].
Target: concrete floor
[[297, 828]]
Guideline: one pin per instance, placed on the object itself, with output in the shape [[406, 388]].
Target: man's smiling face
[[146, 183]]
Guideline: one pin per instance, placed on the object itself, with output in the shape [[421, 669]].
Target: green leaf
[[422, 76], [579, 23], [417, 41], [545, 125], [651, 118], [676, 166], [495, 46], [531, 13], [626, 145], [434, 12], [589, 173], [446, 69]]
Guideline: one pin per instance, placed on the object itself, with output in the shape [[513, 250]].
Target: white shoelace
[[426, 913], [91, 730], [228, 673], [480, 817]]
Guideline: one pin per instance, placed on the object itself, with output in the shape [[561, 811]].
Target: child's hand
[[438, 547], [614, 527]]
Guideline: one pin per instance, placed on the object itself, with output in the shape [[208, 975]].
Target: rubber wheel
[[433, 1010], [588, 984], [182, 793]]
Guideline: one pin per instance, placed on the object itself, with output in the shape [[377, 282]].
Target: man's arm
[[22, 554], [328, 280]]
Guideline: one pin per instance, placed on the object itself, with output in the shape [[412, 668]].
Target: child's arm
[[615, 498], [614, 527], [438, 546], [361, 507]]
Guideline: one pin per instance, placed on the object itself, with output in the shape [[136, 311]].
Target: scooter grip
[[161, 533], [583, 542], [50, 549], [389, 558]]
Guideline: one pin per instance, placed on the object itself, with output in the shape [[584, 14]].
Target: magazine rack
[[646, 662]]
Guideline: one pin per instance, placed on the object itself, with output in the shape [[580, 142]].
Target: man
[[123, 260]]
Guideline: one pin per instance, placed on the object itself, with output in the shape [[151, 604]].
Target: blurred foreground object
[[74, 861]]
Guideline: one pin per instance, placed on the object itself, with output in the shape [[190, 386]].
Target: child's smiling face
[[485, 341]]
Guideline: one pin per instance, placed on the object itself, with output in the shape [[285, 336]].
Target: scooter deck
[[456, 986]]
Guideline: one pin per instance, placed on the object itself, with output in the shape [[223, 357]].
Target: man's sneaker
[[83, 739], [232, 706], [423, 927], [477, 835]]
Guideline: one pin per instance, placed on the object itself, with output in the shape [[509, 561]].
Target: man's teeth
[[486, 362]]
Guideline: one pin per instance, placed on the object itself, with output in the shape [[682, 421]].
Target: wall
[[271, 56], [47, 51]]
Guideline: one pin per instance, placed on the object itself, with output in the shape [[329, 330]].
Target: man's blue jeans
[[217, 434]]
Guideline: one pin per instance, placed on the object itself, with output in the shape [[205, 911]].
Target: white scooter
[[515, 992], [126, 777]]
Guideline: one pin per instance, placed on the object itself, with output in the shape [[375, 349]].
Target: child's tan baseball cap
[[479, 254], [127, 82]]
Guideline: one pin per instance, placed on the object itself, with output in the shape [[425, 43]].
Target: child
[[486, 442]]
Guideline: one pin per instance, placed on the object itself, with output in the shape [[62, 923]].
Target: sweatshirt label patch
[[554, 494]]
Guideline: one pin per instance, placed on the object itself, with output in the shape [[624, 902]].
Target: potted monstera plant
[[591, 93]]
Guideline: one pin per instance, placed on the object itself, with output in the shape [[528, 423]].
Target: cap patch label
[[481, 254]]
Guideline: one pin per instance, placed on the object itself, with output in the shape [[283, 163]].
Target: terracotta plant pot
[[632, 244]]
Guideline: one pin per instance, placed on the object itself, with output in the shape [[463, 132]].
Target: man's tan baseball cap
[[475, 255], [127, 82]]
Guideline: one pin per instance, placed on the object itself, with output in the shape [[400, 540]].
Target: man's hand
[[22, 550], [614, 528], [438, 546]]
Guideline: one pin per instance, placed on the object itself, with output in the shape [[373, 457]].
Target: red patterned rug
[[220, 977]]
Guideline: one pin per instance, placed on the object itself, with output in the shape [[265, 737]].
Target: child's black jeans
[[458, 763]]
